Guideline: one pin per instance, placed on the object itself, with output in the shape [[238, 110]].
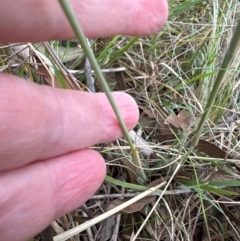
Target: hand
[[46, 168]]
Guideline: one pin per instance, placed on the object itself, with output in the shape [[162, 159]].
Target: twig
[[128, 195], [88, 72]]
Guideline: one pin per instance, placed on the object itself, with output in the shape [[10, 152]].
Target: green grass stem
[[228, 58], [82, 39]]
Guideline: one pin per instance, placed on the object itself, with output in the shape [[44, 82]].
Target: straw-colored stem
[[70, 233]]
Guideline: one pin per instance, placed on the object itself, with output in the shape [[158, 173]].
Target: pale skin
[[46, 168]]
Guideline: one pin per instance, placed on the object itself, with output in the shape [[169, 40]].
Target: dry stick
[[82, 40], [88, 72], [70, 233], [128, 195], [110, 70]]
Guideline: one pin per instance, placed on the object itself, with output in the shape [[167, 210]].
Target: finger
[[30, 20], [39, 122], [35, 195]]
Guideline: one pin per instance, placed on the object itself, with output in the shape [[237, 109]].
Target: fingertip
[[147, 22], [135, 17], [80, 176], [47, 128], [128, 107], [36, 194]]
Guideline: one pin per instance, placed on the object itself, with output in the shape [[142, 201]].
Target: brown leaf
[[155, 182], [120, 79], [47, 234], [135, 207], [147, 124], [131, 170], [50, 79], [212, 150], [147, 111], [183, 120], [154, 120], [80, 219], [203, 146]]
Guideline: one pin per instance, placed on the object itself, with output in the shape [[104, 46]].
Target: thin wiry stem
[[82, 39]]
